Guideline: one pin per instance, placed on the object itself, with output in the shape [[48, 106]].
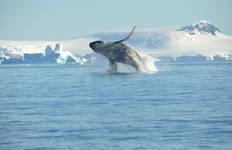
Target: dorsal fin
[[127, 36]]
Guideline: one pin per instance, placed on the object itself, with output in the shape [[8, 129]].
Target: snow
[[67, 57], [63, 56], [199, 39], [51, 54], [201, 27], [11, 52]]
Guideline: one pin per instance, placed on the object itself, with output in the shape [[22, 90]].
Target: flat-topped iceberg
[[52, 54]]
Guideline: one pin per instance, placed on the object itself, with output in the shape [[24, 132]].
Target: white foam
[[148, 63]]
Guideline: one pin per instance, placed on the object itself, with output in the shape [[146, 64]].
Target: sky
[[67, 19]]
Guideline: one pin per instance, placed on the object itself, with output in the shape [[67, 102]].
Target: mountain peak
[[202, 27]]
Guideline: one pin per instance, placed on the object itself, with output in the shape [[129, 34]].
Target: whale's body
[[118, 52]]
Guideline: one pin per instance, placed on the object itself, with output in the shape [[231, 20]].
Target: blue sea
[[183, 106]]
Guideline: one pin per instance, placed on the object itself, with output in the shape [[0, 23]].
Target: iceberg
[[51, 54], [201, 41]]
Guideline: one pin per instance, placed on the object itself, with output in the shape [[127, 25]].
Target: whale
[[118, 52]]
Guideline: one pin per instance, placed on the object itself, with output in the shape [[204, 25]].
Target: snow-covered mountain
[[203, 27], [199, 41]]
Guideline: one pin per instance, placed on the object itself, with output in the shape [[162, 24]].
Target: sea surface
[[57, 107]]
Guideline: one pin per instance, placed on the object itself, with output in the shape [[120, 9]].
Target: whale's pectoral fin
[[127, 36], [113, 66], [136, 63]]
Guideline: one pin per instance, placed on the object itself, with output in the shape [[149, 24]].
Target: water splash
[[148, 63]]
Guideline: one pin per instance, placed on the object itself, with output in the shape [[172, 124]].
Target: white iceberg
[[199, 39]]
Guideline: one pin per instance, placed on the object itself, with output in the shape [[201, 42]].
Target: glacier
[[52, 54], [201, 41]]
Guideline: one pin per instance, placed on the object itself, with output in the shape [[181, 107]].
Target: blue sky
[[65, 19]]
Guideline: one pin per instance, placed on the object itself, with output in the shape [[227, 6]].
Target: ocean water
[[55, 107]]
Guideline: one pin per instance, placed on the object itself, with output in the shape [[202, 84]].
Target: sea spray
[[148, 63]]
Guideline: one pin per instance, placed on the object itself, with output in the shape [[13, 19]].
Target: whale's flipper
[[113, 66], [127, 36]]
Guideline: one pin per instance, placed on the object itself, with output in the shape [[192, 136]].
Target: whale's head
[[96, 46]]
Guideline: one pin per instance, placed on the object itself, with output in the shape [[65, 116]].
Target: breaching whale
[[118, 52]]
